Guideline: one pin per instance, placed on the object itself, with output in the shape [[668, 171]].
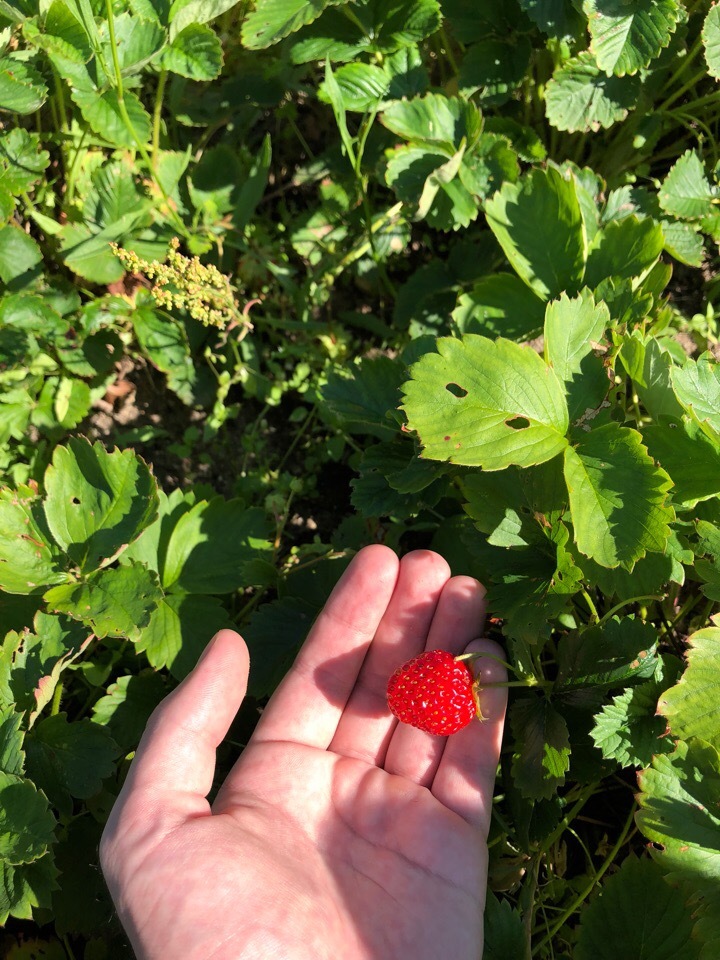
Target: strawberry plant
[[280, 279]]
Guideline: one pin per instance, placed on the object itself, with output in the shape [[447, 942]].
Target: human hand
[[338, 832]]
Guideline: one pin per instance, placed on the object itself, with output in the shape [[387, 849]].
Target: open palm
[[338, 833]]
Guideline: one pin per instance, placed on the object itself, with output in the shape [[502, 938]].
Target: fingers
[[175, 761], [310, 701], [459, 617], [465, 778], [367, 725]]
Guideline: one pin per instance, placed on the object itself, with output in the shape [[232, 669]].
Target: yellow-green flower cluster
[[184, 283]]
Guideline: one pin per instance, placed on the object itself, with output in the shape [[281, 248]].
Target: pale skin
[[338, 832]]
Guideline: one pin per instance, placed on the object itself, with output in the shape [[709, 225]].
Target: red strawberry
[[433, 692]]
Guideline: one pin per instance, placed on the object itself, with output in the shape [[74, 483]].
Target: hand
[[338, 833]]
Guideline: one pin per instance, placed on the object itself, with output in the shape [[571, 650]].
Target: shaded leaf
[[542, 754]]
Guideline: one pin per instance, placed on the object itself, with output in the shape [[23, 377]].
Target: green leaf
[[500, 305], [179, 630], [678, 810], [691, 706], [579, 96], [272, 20], [686, 192], [209, 545], [494, 67], [557, 18], [504, 930], [392, 484], [364, 399], [166, 345], [571, 329], [274, 636], [103, 114], [127, 705], [638, 914], [434, 118], [628, 730], [697, 387], [22, 162], [618, 497], [484, 403], [626, 37], [651, 369], [711, 40], [97, 502], [116, 602], [26, 824], [624, 248], [26, 886], [12, 756], [689, 457], [607, 656], [22, 89], [542, 755], [28, 559], [69, 759], [539, 225], [362, 86], [19, 255], [195, 53]]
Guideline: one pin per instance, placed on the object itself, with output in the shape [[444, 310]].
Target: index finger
[[308, 704]]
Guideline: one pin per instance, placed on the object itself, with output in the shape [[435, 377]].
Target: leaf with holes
[[97, 502], [486, 403]]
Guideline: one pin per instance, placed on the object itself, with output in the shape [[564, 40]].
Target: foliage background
[[282, 279]]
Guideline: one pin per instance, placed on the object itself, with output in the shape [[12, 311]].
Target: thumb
[[176, 754]]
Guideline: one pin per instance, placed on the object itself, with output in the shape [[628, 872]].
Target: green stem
[[157, 115], [569, 817], [625, 603], [692, 82], [298, 436], [589, 601], [589, 887]]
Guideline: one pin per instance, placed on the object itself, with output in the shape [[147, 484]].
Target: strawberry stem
[[475, 655]]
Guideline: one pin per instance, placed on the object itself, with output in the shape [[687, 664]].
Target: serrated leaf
[[28, 558], [127, 705], [626, 37], [27, 886], [618, 497], [557, 18], [434, 118], [19, 256], [542, 756], [22, 162], [691, 706], [361, 85], [571, 328], [209, 545], [179, 630], [607, 656], [711, 40], [628, 730], [22, 89], [539, 225], [484, 403], [626, 248], [274, 636], [195, 53], [697, 387], [500, 304], [97, 502], [686, 192], [364, 399], [579, 96], [651, 369], [26, 824], [678, 810], [116, 602], [137, 41], [691, 459], [390, 485], [69, 759], [272, 20], [504, 930], [638, 914], [12, 756], [103, 114]]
